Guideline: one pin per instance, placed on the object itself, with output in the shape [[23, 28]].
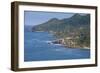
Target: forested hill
[[76, 27], [55, 24]]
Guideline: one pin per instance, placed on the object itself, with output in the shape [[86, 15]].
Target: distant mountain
[[77, 27], [27, 28]]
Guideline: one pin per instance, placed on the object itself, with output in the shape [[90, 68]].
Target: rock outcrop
[[59, 41]]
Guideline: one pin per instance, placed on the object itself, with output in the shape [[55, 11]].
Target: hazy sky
[[37, 17]]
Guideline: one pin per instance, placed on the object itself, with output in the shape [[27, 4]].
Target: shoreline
[[68, 44], [62, 42], [75, 47]]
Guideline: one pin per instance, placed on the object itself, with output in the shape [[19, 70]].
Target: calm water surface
[[37, 48]]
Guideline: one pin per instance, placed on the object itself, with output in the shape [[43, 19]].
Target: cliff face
[[76, 27]]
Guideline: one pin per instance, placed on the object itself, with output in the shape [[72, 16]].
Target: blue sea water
[[37, 47]]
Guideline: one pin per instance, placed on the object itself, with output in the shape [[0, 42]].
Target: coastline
[[66, 42]]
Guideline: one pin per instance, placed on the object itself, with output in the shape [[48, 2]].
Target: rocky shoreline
[[68, 43]]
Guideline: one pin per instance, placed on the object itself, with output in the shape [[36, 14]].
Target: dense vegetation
[[74, 30]]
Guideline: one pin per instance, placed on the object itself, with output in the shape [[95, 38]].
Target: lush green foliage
[[77, 27]]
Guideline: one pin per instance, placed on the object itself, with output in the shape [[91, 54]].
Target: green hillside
[[75, 31]]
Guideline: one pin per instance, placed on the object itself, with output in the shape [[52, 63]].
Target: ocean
[[38, 47]]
